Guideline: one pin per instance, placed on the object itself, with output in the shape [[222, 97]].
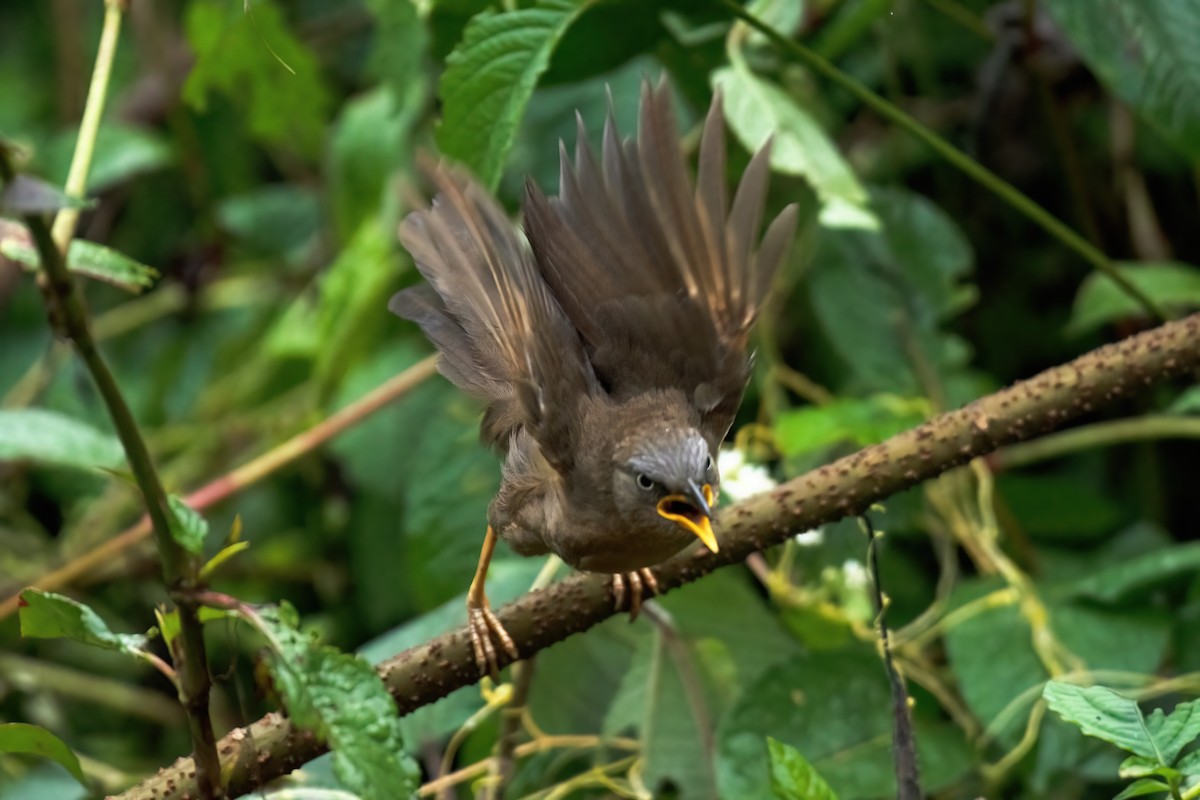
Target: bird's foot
[[630, 587], [486, 633]]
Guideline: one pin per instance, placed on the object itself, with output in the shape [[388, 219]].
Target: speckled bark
[[272, 747]]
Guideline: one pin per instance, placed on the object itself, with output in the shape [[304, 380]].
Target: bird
[[607, 338]]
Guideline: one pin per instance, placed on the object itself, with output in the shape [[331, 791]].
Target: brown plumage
[[610, 350]]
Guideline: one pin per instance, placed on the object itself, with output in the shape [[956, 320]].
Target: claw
[[631, 587], [486, 631]]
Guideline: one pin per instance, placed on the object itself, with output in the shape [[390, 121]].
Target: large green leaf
[[1099, 301], [855, 421], [834, 708], [45, 615], [272, 77], [1148, 53], [84, 257], [424, 452], [1100, 712], [490, 77], [342, 700], [18, 737], [757, 109], [1113, 581], [881, 297], [663, 697], [34, 434]]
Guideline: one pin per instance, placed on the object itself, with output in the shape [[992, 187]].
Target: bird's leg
[[633, 586], [482, 622]]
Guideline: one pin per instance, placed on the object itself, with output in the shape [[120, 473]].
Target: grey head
[[665, 481]]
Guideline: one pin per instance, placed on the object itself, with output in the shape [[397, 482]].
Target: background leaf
[[792, 777], [49, 437], [18, 737], [490, 77], [1146, 52], [1100, 301], [45, 615]]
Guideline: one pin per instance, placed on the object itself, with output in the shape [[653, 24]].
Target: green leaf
[[1142, 788], [122, 152], [87, 258], [342, 701], [1175, 731], [1112, 582], [1147, 54], [188, 527], [45, 615], [655, 700], [34, 434], [431, 545], [756, 110], [1187, 403], [881, 296], [399, 48], [258, 63], [854, 421], [792, 777], [834, 707], [1189, 765], [1172, 285], [273, 220], [18, 737], [490, 77], [1102, 713]]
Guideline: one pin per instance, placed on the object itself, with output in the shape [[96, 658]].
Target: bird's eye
[[644, 482], [708, 464]]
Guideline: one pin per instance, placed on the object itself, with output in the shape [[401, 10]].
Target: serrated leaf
[[18, 737], [188, 527], [792, 777], [490, 77], [1142, 788], [341, 699], [1174, 286], [85, 258], [858, 421], [1147, 53], [1102, 713], [47, 437], [1189, 765], [261, 65], [756, 109], [45, 615], [1175, 731]]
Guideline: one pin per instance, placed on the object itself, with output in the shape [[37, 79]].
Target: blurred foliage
[[251, 167]]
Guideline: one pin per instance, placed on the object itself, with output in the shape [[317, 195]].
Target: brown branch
[[272, 746]]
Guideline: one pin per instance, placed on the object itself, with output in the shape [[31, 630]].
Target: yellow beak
[[693, 512]]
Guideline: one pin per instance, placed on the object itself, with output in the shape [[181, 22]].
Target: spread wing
[[502, 335], [663, 281]]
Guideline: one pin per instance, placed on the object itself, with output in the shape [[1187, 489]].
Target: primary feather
[[660, 279]]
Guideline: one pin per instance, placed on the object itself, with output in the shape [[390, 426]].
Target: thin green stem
[[1100, 434], [69, 312], [89, 126], [972, 168]]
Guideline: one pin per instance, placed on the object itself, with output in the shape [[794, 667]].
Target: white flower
[[810, 538], [740, 479], [854, 574]]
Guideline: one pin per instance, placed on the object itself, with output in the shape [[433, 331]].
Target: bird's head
[[666, 479]]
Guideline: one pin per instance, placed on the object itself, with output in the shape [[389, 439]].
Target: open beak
[[692, 511]]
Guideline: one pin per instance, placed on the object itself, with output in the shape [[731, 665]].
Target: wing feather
[[501, 333], [662, 279]]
